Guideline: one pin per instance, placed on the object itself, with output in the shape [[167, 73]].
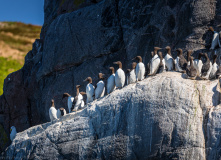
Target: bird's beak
[[115, 63], [134, 58], [85, 80]]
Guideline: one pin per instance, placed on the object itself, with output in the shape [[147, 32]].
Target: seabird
[[215, 41], [78, 100], [52, 111], [169, 61], [155, 62], [61, 112], [198, 64], [131, 75], [214, 68], [180, 61], [191, 70], [70, 100], [89, 90], [140, 69], [111, 81], [100, 87], [206, 68], [119, 75]]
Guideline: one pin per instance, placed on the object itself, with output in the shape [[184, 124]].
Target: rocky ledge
[[161, 117]]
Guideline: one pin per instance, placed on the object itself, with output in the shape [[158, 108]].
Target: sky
[[26, 11]]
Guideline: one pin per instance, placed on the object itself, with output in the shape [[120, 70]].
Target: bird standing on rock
[[198, 64], [100, 87], [111, 81], [169, 61], [52, 111], [161, 68], [140, 69], [78, 100], [155, 62], [119, 76], [215, 41], [61, 112], [131, 75], [214, 68], [180, 61], [70, 100], [89, 90], [206, 68], [191, 71]]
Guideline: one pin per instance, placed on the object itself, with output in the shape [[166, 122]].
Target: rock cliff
[[161, 117], [85, 39]]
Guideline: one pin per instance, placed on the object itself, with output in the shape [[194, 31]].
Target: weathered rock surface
[[161, 117], [77, 43]]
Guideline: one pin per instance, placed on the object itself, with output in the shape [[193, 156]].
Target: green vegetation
[[3, 136], [7, 66], [16, 41]]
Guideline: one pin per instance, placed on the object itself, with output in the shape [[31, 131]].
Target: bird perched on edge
[[78, 100], [89, 90], [215, 41], [13, 133], [70, 100], [191, 71], [214, 69], [131, 75], [198, 64], [189, 52], [61, 112], [155, 62], [206, 68], [100, 87], [169, 61], [111, 81], [119, 75], [52, 111], [180, 61], [161, 67], [140, 69]]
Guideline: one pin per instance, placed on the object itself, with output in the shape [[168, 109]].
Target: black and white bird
[[140, 69], [100, 87], [191, 71], [111, 81], [78, 100], [155, 62], [180, 61], [131, 75], [61, 112], [169, 61], [215, 67], [198, 64], [206, 68], [215, 41], [52, 111], [89, 90], [119, 76], [69, 101]]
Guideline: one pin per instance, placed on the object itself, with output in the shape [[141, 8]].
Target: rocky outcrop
[[83, 42], [161, 117]]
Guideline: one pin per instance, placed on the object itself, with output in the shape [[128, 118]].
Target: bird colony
[[192, 67]]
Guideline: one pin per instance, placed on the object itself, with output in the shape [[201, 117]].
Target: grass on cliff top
[[7, 66], [16, 41]]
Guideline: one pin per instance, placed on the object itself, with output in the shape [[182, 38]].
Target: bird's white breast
[[155, 62], [140, 71], [52, 113], [111, 84], [213, 71], [132, 77], [169, 62], [198, 64], [99, 91], [119, 78]]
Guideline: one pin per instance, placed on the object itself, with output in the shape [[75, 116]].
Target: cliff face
[[162, 117], [82, 43]]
